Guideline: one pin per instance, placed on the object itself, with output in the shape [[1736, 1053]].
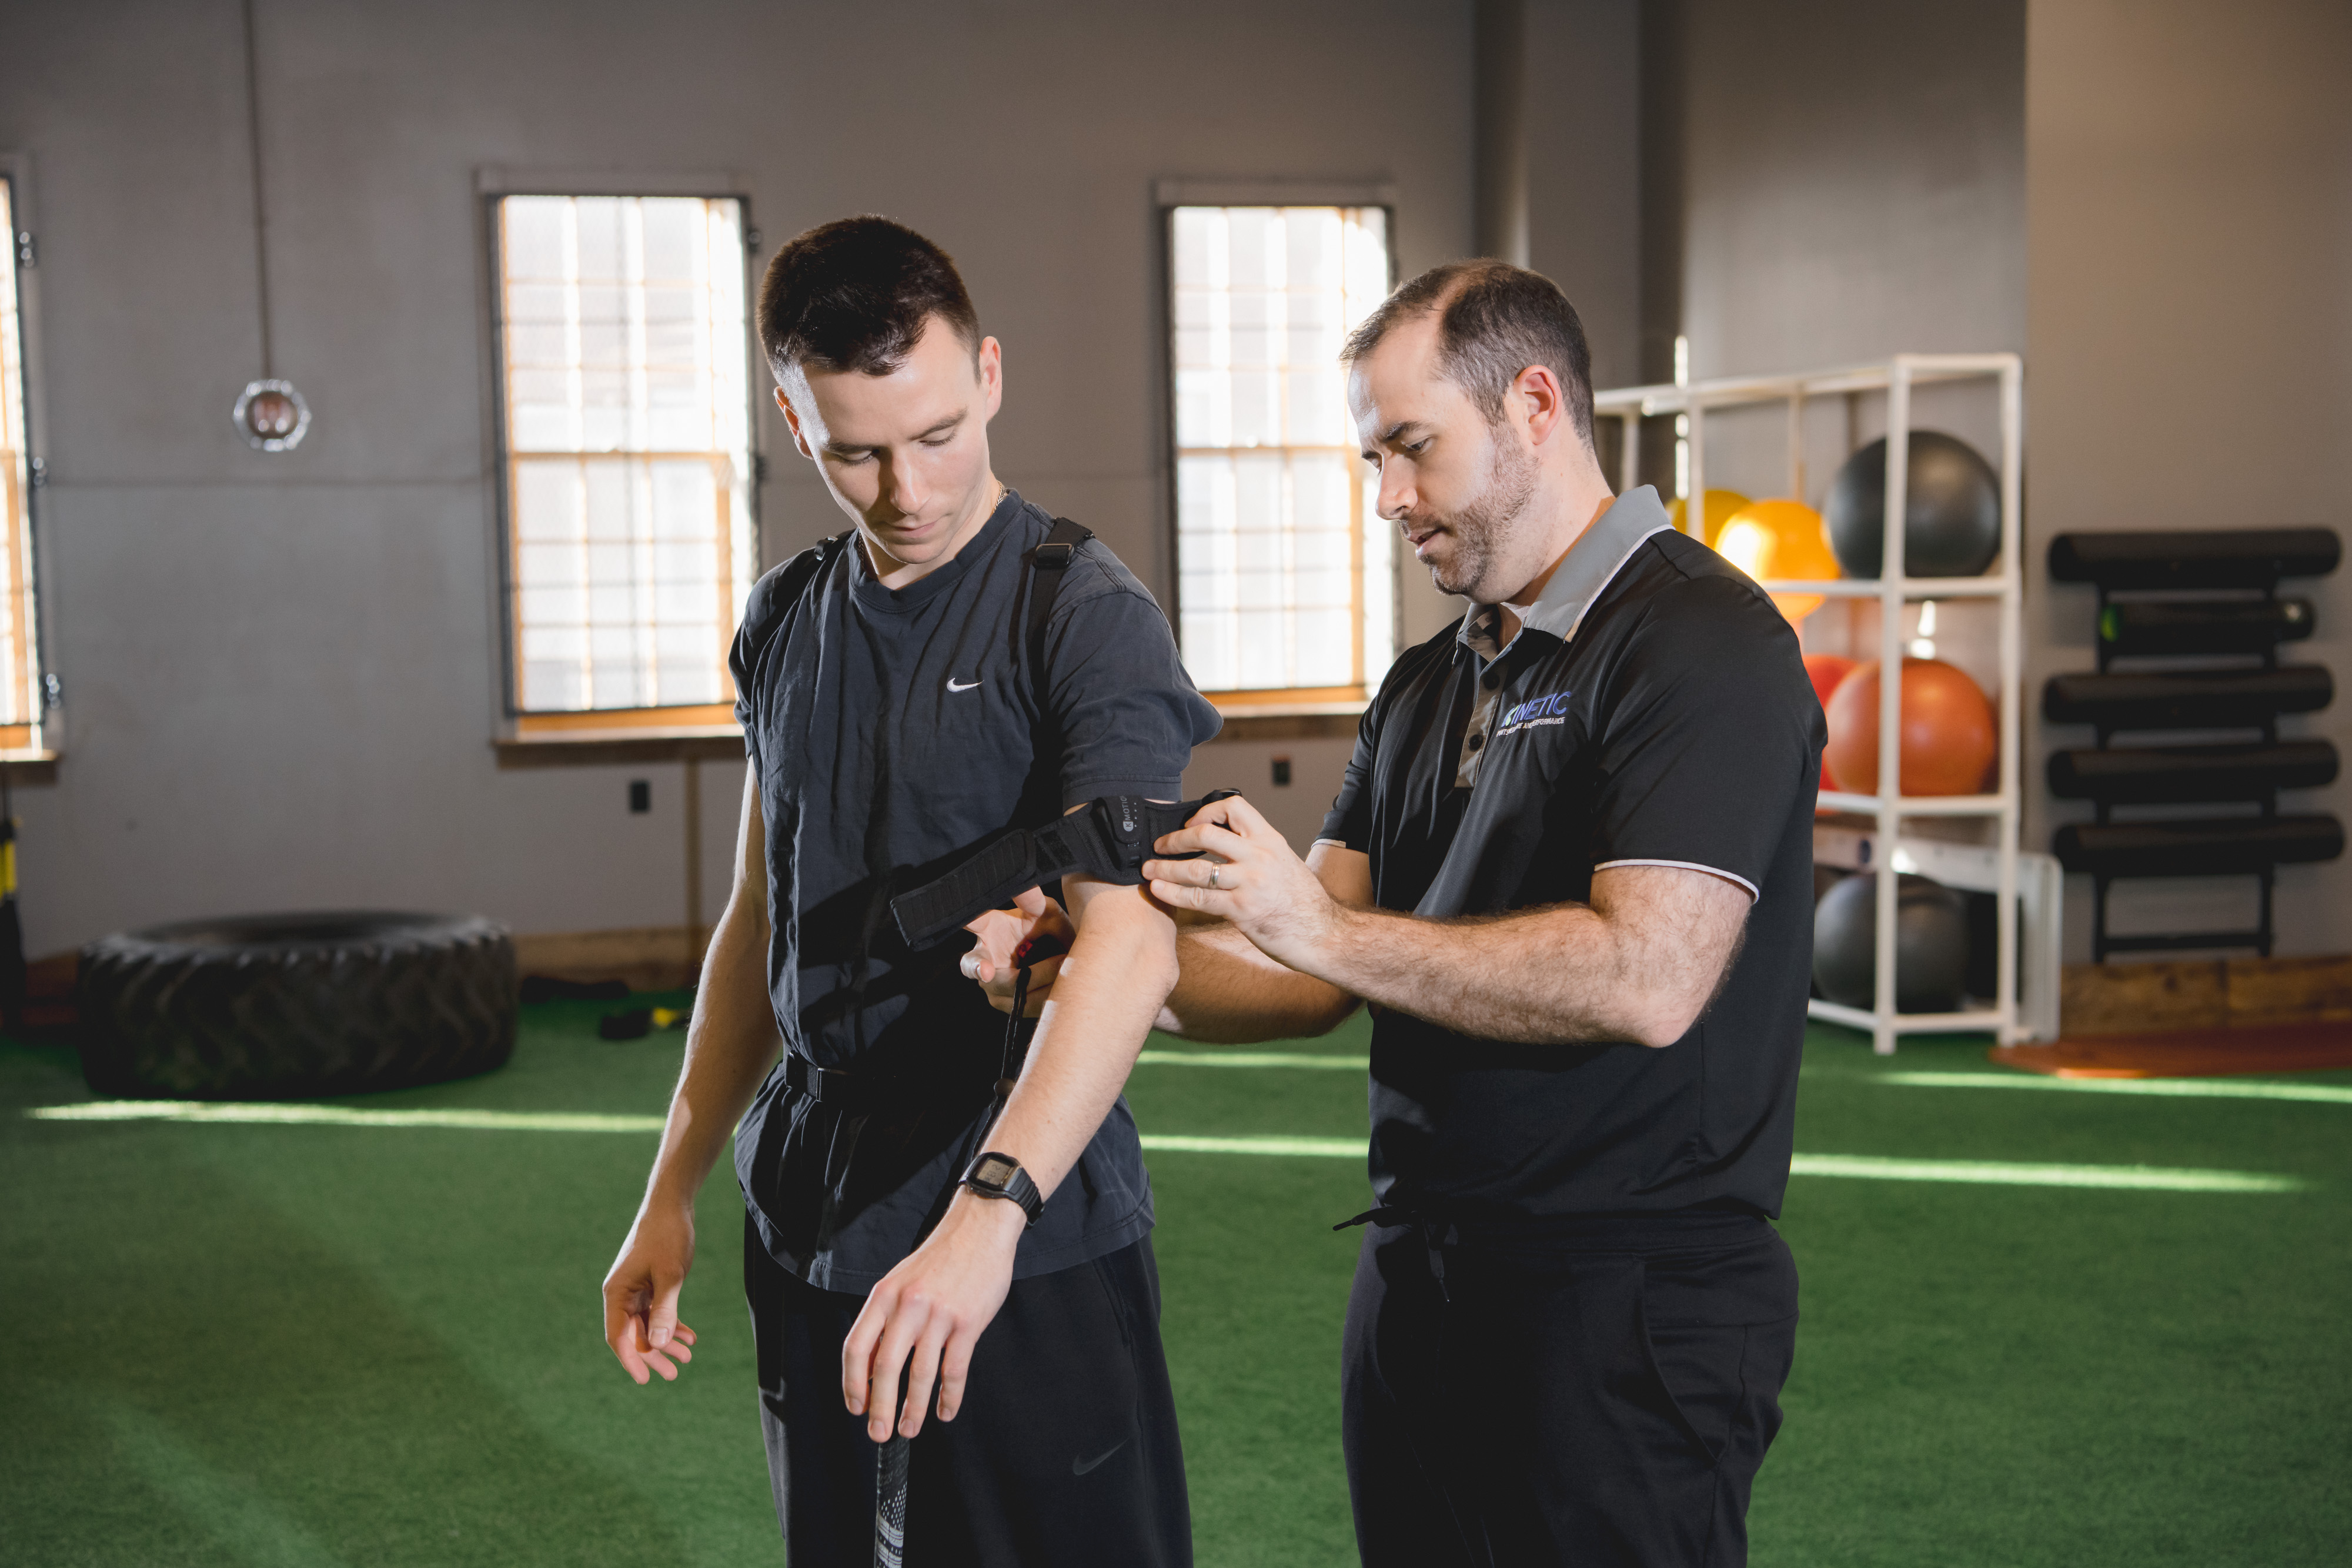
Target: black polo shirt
[[891, 729], [1652, 710]]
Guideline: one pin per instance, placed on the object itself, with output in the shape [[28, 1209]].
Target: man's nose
[[902, 486], [1396, 493]]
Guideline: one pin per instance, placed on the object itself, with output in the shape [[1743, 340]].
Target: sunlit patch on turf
[[1251, 1058], [2011, 1173], [345, 1117], [2163, 1088], [1317, 1148], [1868, 1167]]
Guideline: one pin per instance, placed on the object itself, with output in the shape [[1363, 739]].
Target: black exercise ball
[[1951, 517], [1931, 945]]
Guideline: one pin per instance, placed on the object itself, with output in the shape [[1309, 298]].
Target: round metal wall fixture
[[272, 417]]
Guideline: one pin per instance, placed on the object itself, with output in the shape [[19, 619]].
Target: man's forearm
[[1636, 965], [730, 1044], [1554, 976], [1120, 966], [1639, 961], [1228, 993]]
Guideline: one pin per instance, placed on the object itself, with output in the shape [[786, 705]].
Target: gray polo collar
[[1592, 564]]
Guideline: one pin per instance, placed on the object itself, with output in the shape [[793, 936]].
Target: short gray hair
[[1494, 320]]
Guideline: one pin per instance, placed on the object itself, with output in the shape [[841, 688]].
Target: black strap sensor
[[1110, 838]]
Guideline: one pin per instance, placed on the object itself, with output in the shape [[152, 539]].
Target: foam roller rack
[[2190, 631]]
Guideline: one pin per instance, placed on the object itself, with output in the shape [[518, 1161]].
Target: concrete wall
[[1851, 179], [2189, 195], [281, 672], [1824, 183]]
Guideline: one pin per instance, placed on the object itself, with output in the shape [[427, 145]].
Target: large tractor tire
[[287, 1006]]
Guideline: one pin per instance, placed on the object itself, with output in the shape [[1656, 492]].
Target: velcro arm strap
[[1110, 839]]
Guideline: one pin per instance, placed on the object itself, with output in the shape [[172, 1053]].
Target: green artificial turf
[[273, 1345]]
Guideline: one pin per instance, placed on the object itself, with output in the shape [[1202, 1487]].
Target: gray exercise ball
[[1931, 945], [1951, 515]]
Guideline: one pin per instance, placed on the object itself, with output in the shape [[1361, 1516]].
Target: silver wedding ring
[[1212, 878]]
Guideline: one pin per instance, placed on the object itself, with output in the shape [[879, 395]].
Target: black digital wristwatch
[[993, 1175]]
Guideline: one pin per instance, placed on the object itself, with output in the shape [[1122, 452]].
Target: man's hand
[[1250, 877], [1008, 938], [641, 1292], [927, 1315]]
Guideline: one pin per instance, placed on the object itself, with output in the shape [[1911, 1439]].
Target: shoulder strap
[[803, 568], [1051, 561]]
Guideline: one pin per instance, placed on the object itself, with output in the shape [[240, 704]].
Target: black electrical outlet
[[641, 796], [1282, 770]]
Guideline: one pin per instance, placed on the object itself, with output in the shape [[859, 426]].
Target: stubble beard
[[1484, 525]]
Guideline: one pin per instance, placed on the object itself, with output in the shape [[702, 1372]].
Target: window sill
[[620, 745], [1288, 720], [585, 748], [30, 765]]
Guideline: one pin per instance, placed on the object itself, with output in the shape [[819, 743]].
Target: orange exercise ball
[[1948, 739], [1781, 540], [1721, 505]]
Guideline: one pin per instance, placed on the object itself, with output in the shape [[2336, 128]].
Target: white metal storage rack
[[1896, 378]]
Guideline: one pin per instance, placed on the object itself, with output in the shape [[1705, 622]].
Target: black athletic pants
[[1065, 1451], [1599, 1395]]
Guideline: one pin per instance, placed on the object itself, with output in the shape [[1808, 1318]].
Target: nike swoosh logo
[[965, 687], [1080, 1466]]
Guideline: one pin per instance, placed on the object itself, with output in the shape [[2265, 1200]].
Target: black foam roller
[[2203, 847], [2187, 701], [2219, 626], [2198, 557], [2135, 775]]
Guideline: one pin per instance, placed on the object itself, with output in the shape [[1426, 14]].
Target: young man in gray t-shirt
[[896, 708]]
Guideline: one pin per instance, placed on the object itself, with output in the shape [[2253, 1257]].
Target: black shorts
[[1065, 1451], [1601, 1397]]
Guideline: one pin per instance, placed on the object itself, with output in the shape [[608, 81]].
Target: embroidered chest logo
[[1535, 712]]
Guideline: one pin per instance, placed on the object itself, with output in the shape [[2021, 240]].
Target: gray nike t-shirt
[[891, 729]]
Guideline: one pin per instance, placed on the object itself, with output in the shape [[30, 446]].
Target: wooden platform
[[2190, 1053], [2203, 995]]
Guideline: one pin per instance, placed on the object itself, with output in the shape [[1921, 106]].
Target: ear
[[1538, 393], [991, 366], [793, 422]]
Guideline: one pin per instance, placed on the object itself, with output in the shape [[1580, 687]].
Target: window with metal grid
[[20, 674], [1285, 577], [625, 413]]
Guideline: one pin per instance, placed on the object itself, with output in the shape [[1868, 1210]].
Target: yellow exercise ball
[[1783, 539], [1720, 507]]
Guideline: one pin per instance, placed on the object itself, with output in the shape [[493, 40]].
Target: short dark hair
[[1494, 320], [854, 294]]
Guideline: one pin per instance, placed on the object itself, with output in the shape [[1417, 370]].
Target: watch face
[[994, 1170]]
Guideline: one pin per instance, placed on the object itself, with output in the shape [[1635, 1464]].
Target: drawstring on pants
[[1437, 1233]]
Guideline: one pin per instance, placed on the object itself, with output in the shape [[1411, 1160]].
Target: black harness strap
[[1051, 561], [1111, 838]]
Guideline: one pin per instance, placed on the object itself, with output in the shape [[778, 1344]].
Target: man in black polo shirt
[[899, 702], [1571, 867]]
